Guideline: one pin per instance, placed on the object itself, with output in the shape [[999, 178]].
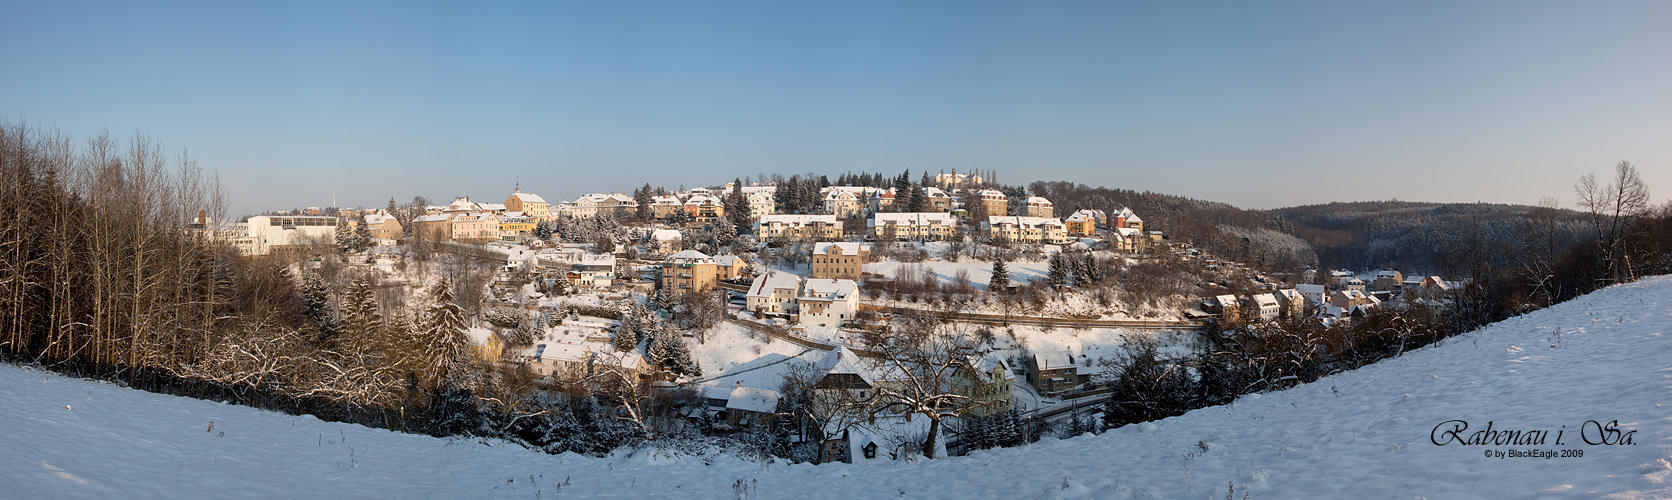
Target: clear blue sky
[[1260, 104]]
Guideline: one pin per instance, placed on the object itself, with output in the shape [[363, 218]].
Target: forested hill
[[1250, 236], [1414, 236]]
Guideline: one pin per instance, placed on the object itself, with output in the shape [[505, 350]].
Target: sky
[[1257, 104]]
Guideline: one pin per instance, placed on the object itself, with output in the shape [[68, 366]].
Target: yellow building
[[528, 203]]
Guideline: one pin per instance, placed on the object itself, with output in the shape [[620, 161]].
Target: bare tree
[[928, 366], [1542, 244], [822, 412], [1614, 209]]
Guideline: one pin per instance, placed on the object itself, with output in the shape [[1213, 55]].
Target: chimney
[[202, 218]]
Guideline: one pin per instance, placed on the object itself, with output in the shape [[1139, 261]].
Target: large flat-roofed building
[[269, 233]]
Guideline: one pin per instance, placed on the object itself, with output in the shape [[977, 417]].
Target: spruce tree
[[1001, 277], [1056, 273], [442, 336], [641, 196], [657, 350], [361, 320], [345, 236]]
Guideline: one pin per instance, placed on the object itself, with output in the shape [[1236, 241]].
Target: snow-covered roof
[[432, 218], [1132, 217], [828, 289], [495, 207], [752, 399], [666, 199], [1024, 221], [760, 197], [716, 392], [935, 192], [701, 199], [597, 198], [689, 257], [1289, 293], [474, 217], [728, 260], [478, 336], [1055, 360], [1037, 201], [797, 219], [527, 197], [1085, 215], [1264, 300], [911, 219], [842, 361], [848, 248], [765, 284], [841, 195], [1226, 300], [666, 235], [558, 352]]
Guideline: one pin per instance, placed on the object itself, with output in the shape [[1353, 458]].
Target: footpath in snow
[[1603, 358]]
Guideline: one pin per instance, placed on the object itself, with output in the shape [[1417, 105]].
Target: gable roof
[[828, 289], [843, 361], [752, 399], [528, 197], [848, 248], [765, 284]]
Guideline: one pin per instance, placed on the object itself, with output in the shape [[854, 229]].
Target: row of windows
[[302, 221]]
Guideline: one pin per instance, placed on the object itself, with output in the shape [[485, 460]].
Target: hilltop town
[[758, 299]]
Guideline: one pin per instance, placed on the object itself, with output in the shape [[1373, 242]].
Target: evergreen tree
[[917, 200], [316, 306], [1093, 272], [724, 233], [627, 333], [362, 235], [528, 331], [1000, 281], [561, 285], [737, 206], [442, 336], [361, 322], [345, 236], [658, 350], [1057, 273], [642, 197]]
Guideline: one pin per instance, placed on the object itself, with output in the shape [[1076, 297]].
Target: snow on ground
[[980, 271], [1363, 434], [730, 354], [1095, 344]]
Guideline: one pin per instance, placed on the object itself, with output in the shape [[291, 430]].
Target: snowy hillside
[[1366, 434]]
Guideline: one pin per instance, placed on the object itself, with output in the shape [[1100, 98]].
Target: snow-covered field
[[1365, 434]]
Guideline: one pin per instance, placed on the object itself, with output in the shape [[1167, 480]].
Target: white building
[[773, 293], [825, 302], [267, 233], [612, 204], [1266, 305], [912, 226], [1026, 229], [844, 203], [666, 240], [761, 204]]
